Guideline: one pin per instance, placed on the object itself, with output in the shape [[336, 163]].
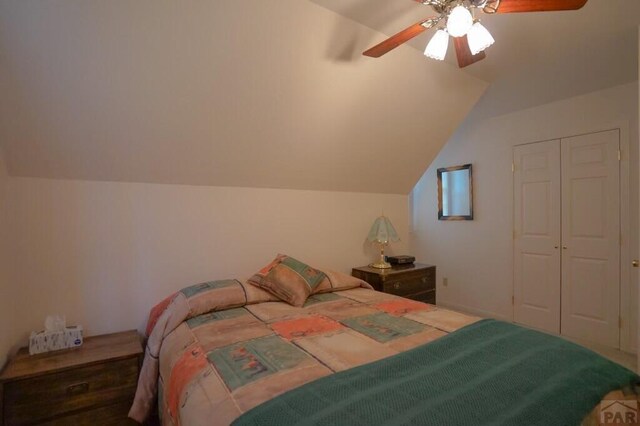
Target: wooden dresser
[[417, 281], [90, 385]]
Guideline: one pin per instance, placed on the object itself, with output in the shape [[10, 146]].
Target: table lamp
[[382, 232]]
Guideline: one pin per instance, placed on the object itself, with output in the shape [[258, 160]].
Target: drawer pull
[[425, 280], [396, 285], [78, 388]]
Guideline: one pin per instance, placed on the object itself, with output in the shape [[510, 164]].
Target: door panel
[[537, 234], [589, 288], [588, 212], [591, 235], [535, 270]]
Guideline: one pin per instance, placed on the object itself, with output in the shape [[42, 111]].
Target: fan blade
[[402, 37], [515, 6], [465, 57]]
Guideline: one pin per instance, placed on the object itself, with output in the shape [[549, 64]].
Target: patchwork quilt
[[218, 349]]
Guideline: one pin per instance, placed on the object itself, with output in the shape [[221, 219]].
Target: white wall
[[7, 291], [104, 253], [476, 256]]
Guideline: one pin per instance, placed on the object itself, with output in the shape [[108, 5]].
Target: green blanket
[[490, 372]]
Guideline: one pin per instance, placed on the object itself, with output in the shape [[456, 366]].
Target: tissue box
[[45, 341]]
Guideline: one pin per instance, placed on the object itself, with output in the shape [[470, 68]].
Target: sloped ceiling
[[537, 58], [230, 93]]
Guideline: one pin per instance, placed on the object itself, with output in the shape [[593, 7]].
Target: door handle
[[564, 247], [555, 247], [635, 263]]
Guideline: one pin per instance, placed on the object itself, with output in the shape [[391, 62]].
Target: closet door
[[591, 237], [537, 235]]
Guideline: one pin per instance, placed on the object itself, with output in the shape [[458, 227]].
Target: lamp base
[[381, 265]]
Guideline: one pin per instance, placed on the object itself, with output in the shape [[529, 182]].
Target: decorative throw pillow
[[288, 279], [337, 281]]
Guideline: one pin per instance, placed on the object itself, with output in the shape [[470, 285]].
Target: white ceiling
[[537, 58], [227, 93], [273, 94]]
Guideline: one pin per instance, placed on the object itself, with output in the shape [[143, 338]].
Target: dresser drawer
[[425, 297], [42, 398], [417, 281], [111, 415], [427, 275], [409, 286]]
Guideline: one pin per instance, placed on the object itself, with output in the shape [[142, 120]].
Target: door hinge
[[513, 167], [619, 155], [620, 322]]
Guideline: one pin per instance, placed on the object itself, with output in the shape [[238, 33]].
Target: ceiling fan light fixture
[[479, 38], [437, 47], [459, 21]]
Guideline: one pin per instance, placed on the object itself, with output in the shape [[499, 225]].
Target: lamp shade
[[437, 47], [382, 231], [479, 38], [459, 21]]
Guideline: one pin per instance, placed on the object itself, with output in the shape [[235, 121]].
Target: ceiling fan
[[470, 37]]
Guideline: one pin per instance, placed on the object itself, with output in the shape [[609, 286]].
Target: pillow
[[337, 281], [288, 279]]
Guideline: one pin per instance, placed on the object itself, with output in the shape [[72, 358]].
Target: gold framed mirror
[[455, 193]]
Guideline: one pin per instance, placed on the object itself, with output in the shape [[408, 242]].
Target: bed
[[217, 351]]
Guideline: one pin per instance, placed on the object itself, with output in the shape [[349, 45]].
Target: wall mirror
[[455, 193]]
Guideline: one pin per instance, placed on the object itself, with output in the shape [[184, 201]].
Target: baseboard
[[474, 311]]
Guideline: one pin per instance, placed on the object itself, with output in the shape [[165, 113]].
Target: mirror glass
[[455, 199]]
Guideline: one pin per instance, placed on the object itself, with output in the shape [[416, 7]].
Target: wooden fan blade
[[515, 6], [465, 57], [402, 37]]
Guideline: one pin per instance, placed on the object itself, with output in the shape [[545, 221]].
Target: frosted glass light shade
[[382, 231], [479, 38], [459, 21], [437, 47]]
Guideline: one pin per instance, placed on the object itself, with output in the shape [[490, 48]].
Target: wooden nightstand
[[417, 281], [90, 385]]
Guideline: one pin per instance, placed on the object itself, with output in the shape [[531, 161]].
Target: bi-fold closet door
[[567, 236]]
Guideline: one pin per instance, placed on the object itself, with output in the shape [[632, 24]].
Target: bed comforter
[[487, 373], [218, 349]]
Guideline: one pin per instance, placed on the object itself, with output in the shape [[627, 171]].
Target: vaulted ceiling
[[228, 93], [537, 58], [273, 94]]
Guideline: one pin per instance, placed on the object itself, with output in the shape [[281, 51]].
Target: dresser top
[[396, 269], [94, 350]]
